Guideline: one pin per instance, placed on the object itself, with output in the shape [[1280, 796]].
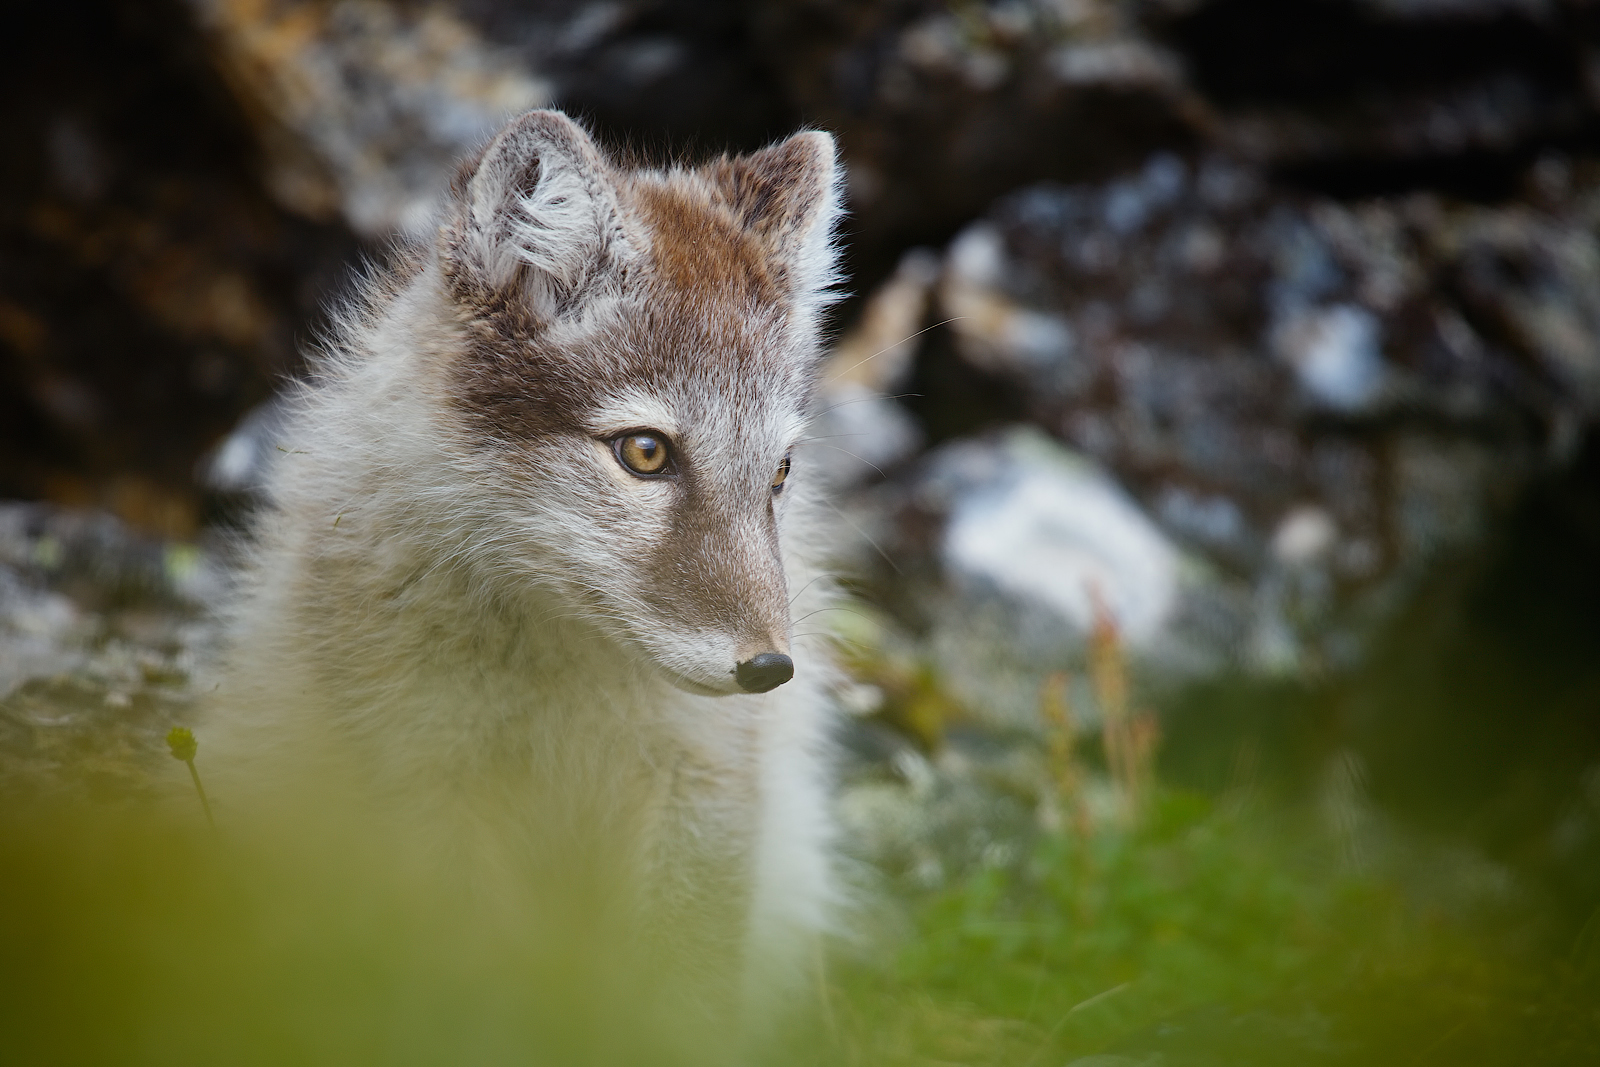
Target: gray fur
[[464, 612]]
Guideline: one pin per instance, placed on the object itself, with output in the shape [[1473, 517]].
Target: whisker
[[836, 639], [808, 585], [819, 611], [827, 437], [861, 399], [897, 344], [866, 537], [847, 452]]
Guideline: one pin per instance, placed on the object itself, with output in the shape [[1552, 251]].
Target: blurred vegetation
[[1214, 932], [1106, 918], [1223, 929], [1388, 868]]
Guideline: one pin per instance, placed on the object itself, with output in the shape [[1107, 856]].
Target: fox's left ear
[[788, 196]]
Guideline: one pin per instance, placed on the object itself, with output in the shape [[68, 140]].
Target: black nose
[[766, 671]]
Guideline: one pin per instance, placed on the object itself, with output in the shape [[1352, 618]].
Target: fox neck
[[517, 647]]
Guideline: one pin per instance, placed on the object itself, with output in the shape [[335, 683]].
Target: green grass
[[1214, 933]]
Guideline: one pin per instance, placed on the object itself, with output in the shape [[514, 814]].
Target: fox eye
[[782, 476], [644, 453]]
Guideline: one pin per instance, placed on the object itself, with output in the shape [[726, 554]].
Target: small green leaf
[[182, 743]]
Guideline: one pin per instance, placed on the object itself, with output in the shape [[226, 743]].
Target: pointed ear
[[788, 196], [538, 212]]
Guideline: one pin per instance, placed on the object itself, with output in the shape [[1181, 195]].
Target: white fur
[[635, 409], [452, 642]]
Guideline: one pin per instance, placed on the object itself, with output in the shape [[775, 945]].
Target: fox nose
[[766, 671]]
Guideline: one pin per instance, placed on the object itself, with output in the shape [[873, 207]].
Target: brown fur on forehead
[[699, 242], [517, 382], [681, 336]]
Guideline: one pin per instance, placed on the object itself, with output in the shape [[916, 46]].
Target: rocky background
[[1267, 330]]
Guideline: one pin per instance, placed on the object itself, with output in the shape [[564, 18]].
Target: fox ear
[[788, 196], [538, 211]]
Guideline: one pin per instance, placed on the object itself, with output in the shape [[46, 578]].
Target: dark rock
[[1318, 402], [942, 107], [1369, 96], [150, 289], [663, 77]]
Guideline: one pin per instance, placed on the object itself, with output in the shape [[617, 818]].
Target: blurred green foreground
[[1202, 930], [1293, 875], [1126, 922], [1213, 935]]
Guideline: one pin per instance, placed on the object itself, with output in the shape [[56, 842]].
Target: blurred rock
[[941, 107], [1031, 522], [237, 467], [40, 631], [364, 107], [103, 634], [662, 77], [150, 290], [1390, 93], [860, 430], [931, 821], [188, 176], [1033, 544], [1317, 402]]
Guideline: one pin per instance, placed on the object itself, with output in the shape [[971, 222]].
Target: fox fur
[[463, 609]]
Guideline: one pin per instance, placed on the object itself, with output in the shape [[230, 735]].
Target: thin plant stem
[[198, 788]]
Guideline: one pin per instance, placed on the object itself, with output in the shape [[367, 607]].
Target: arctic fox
[[536, 539]]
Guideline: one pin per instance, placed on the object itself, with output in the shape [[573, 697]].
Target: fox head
[[638, 357]]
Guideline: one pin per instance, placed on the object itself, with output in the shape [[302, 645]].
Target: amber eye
[[782, 476], [642, 453]]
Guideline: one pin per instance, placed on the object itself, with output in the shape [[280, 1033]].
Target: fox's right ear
[[537, 213]]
